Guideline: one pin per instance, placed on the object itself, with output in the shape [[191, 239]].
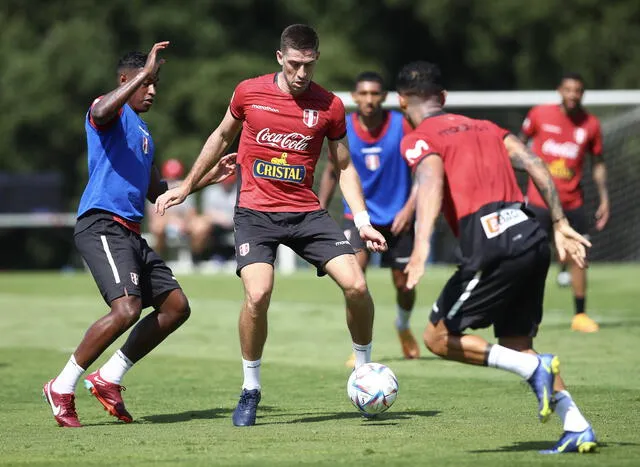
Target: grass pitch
[[182, 394]]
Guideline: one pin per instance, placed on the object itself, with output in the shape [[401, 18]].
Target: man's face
[[141, 100], [297, 67], [571, 91], [369, 97]]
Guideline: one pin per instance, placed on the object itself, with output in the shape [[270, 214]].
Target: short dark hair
[[299, 37], [420, 79], [132, 61], [571, 75], [369, 76]]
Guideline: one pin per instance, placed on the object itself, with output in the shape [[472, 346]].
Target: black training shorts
[[313, 235], [121, 262], [508, 295], [399, 246]]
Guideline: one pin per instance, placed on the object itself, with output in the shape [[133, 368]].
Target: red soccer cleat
[[63, 406], [108, 394]]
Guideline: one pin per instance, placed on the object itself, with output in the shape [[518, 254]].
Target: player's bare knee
[[356, 289], [258, 298], [127, 310], [435, 340]]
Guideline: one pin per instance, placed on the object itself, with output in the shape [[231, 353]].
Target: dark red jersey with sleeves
[[482, 202], [562, 142], [281, 141], [476, 164]]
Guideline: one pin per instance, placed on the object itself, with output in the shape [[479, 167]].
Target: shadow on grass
[[208, 414], [424, 358], [383, 419], [520, 446]]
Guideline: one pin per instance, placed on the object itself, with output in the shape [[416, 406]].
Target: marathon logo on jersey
[[566, 150], [284, 141], [134, 278], [279, 169], [310, 117], [498, 222]]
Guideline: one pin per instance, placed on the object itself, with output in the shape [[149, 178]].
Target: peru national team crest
[[372, 161], [145, 145], [580, 135], [310, 117], [243, 249]]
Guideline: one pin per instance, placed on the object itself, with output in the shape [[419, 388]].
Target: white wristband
[[361, 219]]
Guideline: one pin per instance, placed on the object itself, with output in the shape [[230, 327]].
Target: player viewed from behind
[[129, 274], [374, 136], [285, 118], [464, 167], [562, 135]]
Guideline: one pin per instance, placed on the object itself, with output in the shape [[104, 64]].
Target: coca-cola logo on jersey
[[567, 150], [287, 141]]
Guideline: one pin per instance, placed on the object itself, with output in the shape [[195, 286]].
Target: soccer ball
[[372, 388]]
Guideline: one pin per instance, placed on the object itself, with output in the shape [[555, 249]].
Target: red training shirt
[[562, 141], [477, 167], [281, 140]]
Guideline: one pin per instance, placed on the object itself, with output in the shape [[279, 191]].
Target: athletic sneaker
[[410, 348], [245, 412], [62, 405], [542, 384], [108, 394], [572, 441], [581, 322]]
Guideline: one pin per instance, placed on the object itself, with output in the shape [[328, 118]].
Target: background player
[[464, 167], [284, 118], [129, 274], [562, 135], [374, 136]]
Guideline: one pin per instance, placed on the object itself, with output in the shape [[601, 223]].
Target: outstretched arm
[[328, 184], [107, 108], [429, 183]]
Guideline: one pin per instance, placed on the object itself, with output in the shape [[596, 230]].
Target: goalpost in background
[[619, 113]]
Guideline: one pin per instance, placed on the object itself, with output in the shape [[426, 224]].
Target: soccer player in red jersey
[[464, 167], [284, 118], [562, 136]]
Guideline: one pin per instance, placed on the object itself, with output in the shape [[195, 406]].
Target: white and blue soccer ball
[[372, 388]]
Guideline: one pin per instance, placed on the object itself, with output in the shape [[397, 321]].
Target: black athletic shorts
[[313, 235], [121, 262], [577, 219], [508, 295], [400, 246]]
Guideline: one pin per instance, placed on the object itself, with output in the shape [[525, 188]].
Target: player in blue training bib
[[374, 141]]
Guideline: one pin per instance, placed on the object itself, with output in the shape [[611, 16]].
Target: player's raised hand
[[570, 243], [225, 168], [415, 268], [153, 63], [170, 198], [602, 215], [374, 240]]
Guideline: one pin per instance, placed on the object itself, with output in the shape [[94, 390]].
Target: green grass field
[[183, 393]]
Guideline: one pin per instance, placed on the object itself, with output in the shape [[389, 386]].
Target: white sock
[[66, 381], [362, 353], [520, 363], [113, 371], [402, 318], [569, 413], [251, 371]]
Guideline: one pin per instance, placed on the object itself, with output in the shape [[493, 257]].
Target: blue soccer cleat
[[245, 412], [542, 384], [572, 441]]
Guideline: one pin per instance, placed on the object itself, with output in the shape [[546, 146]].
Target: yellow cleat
[[410, 347], [351, 361], [583, 323]]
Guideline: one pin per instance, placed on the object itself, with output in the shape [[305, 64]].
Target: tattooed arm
[[523, 159], [429, 180], [567, 240]]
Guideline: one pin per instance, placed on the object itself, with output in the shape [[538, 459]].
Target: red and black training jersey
[[281, 141], [482, 201], [562, 141]]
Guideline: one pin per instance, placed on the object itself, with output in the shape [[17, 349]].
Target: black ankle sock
[[579, 302]]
